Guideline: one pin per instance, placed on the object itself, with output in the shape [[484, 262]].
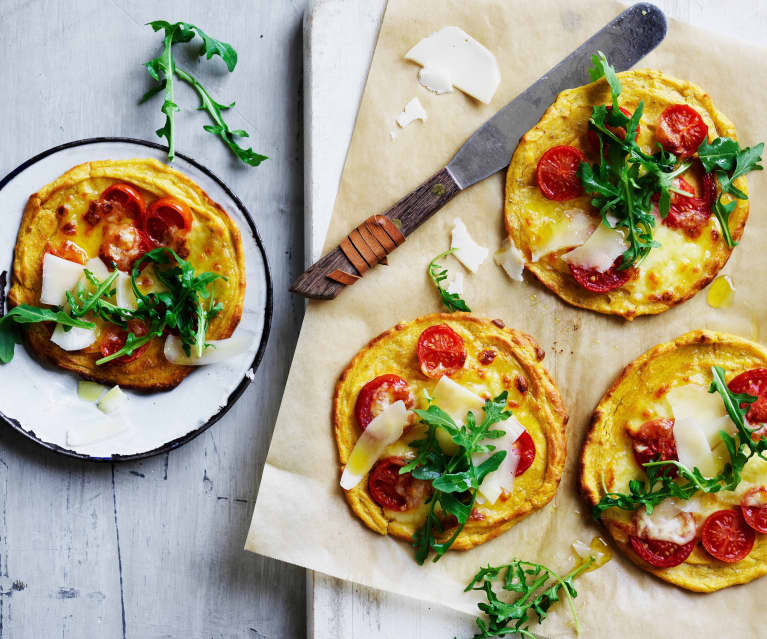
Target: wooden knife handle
[[374, 239]]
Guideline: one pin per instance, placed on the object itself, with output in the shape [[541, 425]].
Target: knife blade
[[625, 41]]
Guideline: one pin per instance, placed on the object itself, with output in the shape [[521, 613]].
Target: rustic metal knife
[[625, 40]]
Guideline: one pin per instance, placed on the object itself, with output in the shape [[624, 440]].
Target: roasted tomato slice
[[379, 393], [441, 351], [122, 245], [753, 382], [661, 554], [524, 446], [166, 219], [689, 214], [681, 130], [68, 251], [113, 339], [618, 131], [654, 441], [557, 173], [129, 198], [394, 491], [726, 536], [754, 507], [592, 280]]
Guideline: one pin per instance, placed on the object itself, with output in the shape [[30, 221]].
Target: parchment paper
[[301, 516]]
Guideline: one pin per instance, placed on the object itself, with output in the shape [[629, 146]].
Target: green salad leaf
[[438, 274]]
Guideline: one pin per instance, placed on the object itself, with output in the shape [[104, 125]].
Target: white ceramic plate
[[41, 402]]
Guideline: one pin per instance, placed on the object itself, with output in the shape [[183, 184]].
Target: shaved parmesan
[[59, 276], [413, 111], [385, 429], [468, 252], [124, 296], [456, 401], [455, 283], [573, 230], [706, 409], [668, 522], [692, 447], [603, 247], [112, 401], [469, 65], [219, 350], [96, 429], [75, 338], [90, 391], [501, 479], [96, 266], [435, 80], [510, 259]]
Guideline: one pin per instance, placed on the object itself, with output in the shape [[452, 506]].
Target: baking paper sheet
[[301, 516]]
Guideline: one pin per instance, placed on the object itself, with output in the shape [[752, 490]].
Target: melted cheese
[[668, 522], [468, 252], [570, 228], [385, 429], [603, 247], [705, 409]]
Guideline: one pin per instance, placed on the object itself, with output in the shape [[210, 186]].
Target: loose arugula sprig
[[729, 161], [438, 274], [454, 478], [659, 486], [538, 588], [626, 178], [163, 69]]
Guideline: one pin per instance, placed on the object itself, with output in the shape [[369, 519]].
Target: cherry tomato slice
[[681, 130], [726, 536], [753, 382], [114, 338], [557, 175], [165, 219], [68, 251], [524, 446], [755, 515], [441, 351], [394, 491], [618, 131], [122, 245], [129, 198], [661, 554], [654, 441], [689, 214], [379, 393], [592, 280]]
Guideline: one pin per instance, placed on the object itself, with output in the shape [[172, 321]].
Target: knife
[[625, 41]]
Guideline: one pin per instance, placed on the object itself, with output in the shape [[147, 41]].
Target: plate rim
[[268, 308]]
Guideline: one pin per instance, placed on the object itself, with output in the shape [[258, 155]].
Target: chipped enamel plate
[[42, 403]]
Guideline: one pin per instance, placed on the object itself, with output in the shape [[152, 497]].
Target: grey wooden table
[[154, 548]]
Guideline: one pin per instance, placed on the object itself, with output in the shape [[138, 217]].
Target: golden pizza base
[[671, 273], [533, 398], [607, 460], [214, 244]]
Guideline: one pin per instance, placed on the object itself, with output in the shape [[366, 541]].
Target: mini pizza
[[139, 255], [455, 362], [660, 409], [604, 259]]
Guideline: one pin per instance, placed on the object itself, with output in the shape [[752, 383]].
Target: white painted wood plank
[[337, 608]]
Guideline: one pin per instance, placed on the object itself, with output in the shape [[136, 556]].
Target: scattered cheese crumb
[[468, 252], [112, 401], [413, 111], [510, 258], [455, 283]]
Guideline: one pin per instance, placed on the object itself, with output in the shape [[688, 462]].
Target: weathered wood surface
[[154, 549]]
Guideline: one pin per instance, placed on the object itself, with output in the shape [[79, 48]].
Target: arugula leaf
[[455, 478], [602, 68], [538, 588], [438, 274], [659, 486], [163, 70]]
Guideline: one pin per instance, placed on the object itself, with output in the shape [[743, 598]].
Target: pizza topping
[[667, 522], [602, 282], [524, 447], [726, 536], [661, 554], [619, 131], [122, 245], [468, 252], [557, 173], [753, 382], [706, 410], [441, 351], [68, 250], [486, 356], [457, 402], [393, 491], [129, 198], [74, 339], [600, 252], [379, 393], [59, 276], [217, 350], [690, 214], [654, 441], [114, 339], [575, 227], [681, 130], [754, 507], [166, 220], [501, 480], [383, 430]]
